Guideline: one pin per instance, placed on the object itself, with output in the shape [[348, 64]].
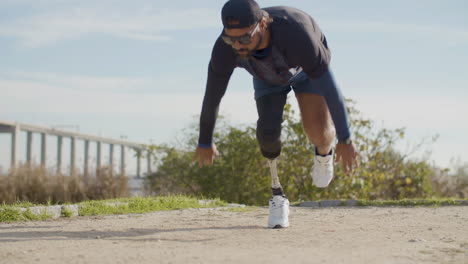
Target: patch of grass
[[143, 205], [409, 202], [10, 214], [13, 213], [240, 209], [66, 212], [295, 203]]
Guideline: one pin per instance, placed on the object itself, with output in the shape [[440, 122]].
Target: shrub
[[241, 174], [451, 183], [39, 185]]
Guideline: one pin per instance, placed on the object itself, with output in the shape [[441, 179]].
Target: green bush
[[242, 175]]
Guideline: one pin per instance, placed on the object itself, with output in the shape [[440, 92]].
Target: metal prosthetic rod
[[275, 183]]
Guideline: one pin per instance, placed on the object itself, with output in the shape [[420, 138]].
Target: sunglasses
[[244, 39]]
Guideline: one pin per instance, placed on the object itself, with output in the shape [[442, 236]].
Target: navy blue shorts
[[301, 83]]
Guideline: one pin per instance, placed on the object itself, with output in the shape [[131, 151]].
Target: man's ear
[[263, 23]]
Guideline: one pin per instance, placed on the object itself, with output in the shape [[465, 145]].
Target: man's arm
[[215, 90], [220, 68], [307, 47], [335, 102]]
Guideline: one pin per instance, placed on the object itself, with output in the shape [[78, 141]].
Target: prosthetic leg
[[279, 204], [275, 183]]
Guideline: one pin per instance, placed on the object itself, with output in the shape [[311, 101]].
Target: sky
[[137, 69]]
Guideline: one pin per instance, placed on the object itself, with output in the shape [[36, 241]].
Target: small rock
[[351, 202], [416, 240], [330, 203], [309, 204]]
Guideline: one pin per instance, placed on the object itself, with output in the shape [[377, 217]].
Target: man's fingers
[[344, 165], [356, 163], [337, 158], [350, 166], [196, 159]]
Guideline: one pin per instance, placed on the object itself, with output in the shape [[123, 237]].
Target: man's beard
[[248, 51], [243, 55]]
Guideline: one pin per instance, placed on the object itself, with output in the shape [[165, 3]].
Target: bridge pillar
[[72, 155], [122, 160], [138, 163], [86, 158], [43, 150], [59, 154], [15, 133], [29, 142], [111, 158], [98, 154], [149, 163]]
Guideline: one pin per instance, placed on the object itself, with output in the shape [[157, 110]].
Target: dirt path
[[325, 235]]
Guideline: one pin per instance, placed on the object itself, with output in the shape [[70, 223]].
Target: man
[[283, 48]]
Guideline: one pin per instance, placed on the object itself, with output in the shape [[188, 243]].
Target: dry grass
[[451, 183], [40, 185]]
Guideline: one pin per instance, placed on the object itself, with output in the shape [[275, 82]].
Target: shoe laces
[[279, 203], [324, 161]]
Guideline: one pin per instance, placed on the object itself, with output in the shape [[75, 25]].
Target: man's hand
[[205, 156], [347, 154]]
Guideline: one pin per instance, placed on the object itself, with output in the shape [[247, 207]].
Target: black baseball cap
[[241, 13]]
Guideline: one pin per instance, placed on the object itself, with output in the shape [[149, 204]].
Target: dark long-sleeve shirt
[[303, 47]]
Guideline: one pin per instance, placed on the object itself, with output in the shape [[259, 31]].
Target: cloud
[[53, 92], [33, 97], [438, 32], [70, 82], [415, 111], [146, 23], [159, 83], [62, 93]]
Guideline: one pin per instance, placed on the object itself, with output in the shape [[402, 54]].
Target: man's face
[[243, 49]]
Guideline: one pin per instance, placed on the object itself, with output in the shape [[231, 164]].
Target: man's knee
[[324, 136], [269, 141], [268, 137]]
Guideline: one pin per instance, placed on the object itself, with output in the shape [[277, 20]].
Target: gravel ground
[[317, 235]]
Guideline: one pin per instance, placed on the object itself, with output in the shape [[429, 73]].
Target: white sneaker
[[322, 171], [279, 212]]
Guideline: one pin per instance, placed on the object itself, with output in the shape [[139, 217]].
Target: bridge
[[14, 129]]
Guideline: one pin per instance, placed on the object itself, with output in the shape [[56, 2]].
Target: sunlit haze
[[137, 69]]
